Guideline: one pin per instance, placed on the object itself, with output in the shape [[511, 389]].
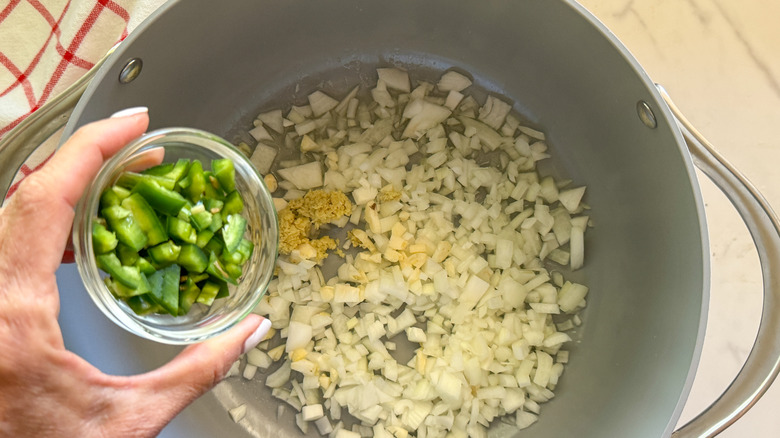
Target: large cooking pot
[[215, 65]]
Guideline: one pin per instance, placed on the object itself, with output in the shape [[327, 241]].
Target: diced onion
[[443, 246]]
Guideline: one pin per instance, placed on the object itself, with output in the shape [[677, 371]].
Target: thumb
[[197, 369]]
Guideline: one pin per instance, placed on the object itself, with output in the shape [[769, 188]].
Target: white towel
[[46, 45]]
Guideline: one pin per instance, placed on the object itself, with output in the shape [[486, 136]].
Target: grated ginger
[[304, 216]]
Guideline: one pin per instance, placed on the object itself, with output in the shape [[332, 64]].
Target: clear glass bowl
[[262, 229]]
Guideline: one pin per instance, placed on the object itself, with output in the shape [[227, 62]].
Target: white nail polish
[[127, 112], [255, 338]]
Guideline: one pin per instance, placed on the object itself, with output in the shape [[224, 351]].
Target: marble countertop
[[720, 62]]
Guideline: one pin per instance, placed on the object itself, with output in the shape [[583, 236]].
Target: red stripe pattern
[[46, 45]]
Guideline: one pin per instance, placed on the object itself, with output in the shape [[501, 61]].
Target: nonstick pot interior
[[215, 65]]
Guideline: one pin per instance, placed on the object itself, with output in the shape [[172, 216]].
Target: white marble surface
[[720, 62]]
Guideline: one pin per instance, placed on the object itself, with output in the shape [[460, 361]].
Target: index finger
[[78, 160]]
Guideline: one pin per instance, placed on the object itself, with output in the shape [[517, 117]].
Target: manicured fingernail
[[127, 112], [255, 338]]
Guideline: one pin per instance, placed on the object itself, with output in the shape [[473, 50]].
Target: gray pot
[[215, 66]]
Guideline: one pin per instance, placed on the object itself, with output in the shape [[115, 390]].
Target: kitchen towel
[[46, 45]]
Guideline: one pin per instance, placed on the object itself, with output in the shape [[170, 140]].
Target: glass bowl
[[262, 229]]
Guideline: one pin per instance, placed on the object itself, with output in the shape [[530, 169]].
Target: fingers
[[199, 367], [77, 162], [37, 220], [146, 160]]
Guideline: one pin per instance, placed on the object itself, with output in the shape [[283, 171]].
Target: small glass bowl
[[262, 229]]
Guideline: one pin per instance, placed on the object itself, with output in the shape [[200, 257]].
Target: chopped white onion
[[449, 250], [304, 177], [238, 413], [453, 81]]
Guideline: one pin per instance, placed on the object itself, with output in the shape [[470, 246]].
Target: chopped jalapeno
[[121, 222], [146, 218], [172, 236], [193, 258], [103, 240], [181, 230], [225, 173], [163, 200]]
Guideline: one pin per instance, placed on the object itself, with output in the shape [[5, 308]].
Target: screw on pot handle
[[763, 363], [17, 146]]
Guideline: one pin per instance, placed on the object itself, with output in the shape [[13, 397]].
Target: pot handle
[[31, 132], [763, 363]]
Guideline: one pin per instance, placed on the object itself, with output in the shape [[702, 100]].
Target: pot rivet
[[646, 114], [131, 70]]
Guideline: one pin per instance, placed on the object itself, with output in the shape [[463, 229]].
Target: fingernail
[[255, 338], [127, 112]]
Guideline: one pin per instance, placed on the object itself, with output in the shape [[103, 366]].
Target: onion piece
[[453, 81], [394, 78], [238, 413], [321, 103], [272, 119], [305, 176]]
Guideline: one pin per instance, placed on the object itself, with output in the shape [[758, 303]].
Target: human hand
[[45, 390]]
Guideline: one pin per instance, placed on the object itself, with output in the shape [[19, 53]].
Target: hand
[[45, 390]]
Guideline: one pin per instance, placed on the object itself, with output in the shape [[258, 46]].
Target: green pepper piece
[[204, 237], [223, 289], [185, 213], [183, 183], [113, 196], [129, 276], [121, 221], [225, 173], [187, 296], [165, 288], [192, 258], [146, 218], [245, 248], [159, 198], [212, 188], [208, 293], [121, 291], [213, 205], [197, 182], [217, 270], [103, 240], [201, 219], [234, 204], [143, 305], [233, 232], [144, 266], [179, 169], [117, 289], [128, 256], [216, 222], [240, 255], [214, 245], [233, 270], [109, 198], [165, 253], [159, 170], [129, 180], [231, 257], [121, 192], [197, 278], [181, 230]]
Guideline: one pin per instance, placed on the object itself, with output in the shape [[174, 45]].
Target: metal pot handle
[[763, 364], [21, 141]]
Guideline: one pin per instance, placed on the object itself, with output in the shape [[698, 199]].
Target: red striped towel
[[46, 45]]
